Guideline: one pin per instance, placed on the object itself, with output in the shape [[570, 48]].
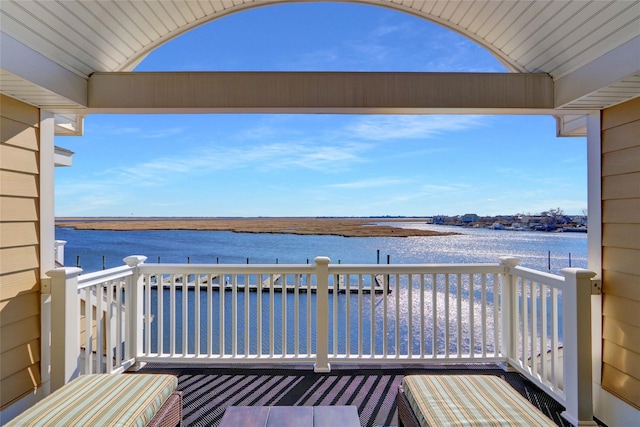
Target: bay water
[[94, 250]]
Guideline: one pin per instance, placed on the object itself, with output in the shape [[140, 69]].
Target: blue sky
[[320, 165]]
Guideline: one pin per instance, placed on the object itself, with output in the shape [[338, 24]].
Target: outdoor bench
[[109, 400], [470, 400]]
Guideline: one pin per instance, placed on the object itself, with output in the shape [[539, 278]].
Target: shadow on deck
[[209, 391]]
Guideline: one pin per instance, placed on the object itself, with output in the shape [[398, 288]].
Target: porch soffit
[[561, 38]]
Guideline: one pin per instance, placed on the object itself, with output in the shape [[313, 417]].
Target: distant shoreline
[[334, 226]]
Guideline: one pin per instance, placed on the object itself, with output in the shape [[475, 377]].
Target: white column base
[[321, 369], [576, 422]]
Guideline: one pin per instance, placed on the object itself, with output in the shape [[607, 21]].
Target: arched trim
[[132, 62]]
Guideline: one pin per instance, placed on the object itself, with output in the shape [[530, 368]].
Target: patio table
[[290, 416]]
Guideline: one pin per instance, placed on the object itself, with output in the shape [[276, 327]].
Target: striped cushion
[[102, 400], [469, 400]]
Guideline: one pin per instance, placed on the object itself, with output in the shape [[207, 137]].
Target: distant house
[[469, 218], [439, 220]]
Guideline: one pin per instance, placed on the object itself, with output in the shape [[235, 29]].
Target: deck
[[262, 349], [209, 391]]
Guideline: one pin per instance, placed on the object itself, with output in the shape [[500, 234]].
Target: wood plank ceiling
[[553, 37]]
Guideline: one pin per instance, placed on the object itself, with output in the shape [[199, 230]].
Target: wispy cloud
[[274, 145], [411, 127], [449, 188], [319, 59], [164, 133], [529, 177], [573, 160], [371, 183], [431, 193], [118, 131], [88, 196], [370, 52], [386, 29], [261, 157], [141, 132]]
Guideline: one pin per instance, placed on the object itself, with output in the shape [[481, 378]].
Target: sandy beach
[[347, 227]]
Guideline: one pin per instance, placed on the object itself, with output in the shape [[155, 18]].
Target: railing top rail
[[415, 268], [227, 268], [310, 268], [539, 276], [102, 276]]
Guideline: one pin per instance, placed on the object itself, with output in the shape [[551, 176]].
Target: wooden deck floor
[[209, 391]]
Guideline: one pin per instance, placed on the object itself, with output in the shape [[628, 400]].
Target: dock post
[[386, 290]]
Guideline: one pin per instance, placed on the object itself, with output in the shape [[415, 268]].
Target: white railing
[[91, 323], [58, 252], [105, 335], [323, 313], [418, 313], [538, 335]]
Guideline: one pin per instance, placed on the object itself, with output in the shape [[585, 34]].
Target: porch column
[[576, 318], [46, 238], [47, 193], [65, 325], [594, 244], [322, 315]]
